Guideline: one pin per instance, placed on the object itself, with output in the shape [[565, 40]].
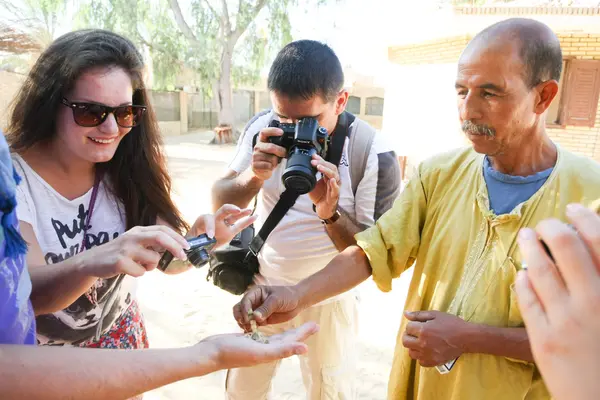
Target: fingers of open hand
[[587, 223], [531, 309], [239, 220], [204, 224], [299, 334], [543, 274], [279, 350], [227, 211], [243, 223]]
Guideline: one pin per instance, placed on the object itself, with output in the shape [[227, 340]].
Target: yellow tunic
[[466, 262]]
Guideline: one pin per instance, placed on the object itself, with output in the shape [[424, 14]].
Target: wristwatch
[[336, 215]]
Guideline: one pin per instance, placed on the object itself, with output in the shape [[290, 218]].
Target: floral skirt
[[128, 332]]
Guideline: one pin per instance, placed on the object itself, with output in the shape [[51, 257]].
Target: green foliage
[[153, 25]]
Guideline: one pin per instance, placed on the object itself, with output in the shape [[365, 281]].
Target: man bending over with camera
[[344, 197]]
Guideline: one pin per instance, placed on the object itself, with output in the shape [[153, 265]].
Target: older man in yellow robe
[[457, 221]]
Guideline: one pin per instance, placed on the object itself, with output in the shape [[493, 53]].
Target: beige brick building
[[574, 117]]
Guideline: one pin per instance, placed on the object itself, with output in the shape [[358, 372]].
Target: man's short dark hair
[[539, 47], [304, 69]]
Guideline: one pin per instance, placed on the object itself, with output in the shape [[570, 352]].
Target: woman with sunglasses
[[94, 201]]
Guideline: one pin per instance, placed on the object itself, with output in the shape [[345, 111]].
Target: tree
[[223, 41], [14, 41], [35, 21]]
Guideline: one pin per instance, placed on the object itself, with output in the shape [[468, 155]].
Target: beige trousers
[[328, 369]]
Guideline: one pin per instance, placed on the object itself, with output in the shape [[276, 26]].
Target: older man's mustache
[[475, 129]]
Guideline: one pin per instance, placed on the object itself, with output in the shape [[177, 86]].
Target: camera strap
[[288, 198], [286, 201]]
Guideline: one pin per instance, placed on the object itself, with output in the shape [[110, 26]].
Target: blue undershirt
[[505, 192]]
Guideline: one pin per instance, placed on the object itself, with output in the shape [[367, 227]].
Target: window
[[353, 105], [374, 106], [577, 101]]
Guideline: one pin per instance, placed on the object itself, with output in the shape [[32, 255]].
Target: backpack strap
[[359, 148], [338, 139]]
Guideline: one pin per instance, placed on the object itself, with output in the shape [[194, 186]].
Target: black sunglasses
[[90, 114]]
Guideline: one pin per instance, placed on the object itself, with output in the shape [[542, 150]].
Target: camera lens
[[198, 257], [299, 175]]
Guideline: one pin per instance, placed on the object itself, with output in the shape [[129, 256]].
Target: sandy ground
[[181, 310]]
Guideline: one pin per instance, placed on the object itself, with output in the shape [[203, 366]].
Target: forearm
[[347, 270], [70, 373], [57, 286], [238, 190], [343, 230], [503, 342]]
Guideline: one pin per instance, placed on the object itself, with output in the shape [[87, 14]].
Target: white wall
[[420, 116]]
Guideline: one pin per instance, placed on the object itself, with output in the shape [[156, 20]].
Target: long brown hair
[[137, 172]]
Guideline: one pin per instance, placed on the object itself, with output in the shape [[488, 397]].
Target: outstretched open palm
[[238, 350]]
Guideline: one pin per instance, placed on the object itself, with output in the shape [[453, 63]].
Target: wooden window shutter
[[583, 89]]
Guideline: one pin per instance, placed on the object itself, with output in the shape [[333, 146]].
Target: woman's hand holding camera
[[139, 249], [134, 253]]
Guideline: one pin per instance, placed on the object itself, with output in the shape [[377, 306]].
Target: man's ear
[[341, 101], [547, 91]]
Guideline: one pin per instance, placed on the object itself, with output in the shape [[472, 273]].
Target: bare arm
[[30, 372], [277, 304], [343, 230], [53, 288], [70, 373], [503, 342], [234, 188], [347, 270], [56, 286]]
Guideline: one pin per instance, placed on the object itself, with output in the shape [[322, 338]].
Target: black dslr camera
[[197, 254], [301, 140]]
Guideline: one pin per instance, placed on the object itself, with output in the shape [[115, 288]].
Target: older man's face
[[495, 105]]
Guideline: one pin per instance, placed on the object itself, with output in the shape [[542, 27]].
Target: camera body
[[197, 254], [301, 140], [233, 266]]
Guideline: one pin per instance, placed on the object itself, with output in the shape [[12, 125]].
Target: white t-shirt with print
[[58, 226]]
